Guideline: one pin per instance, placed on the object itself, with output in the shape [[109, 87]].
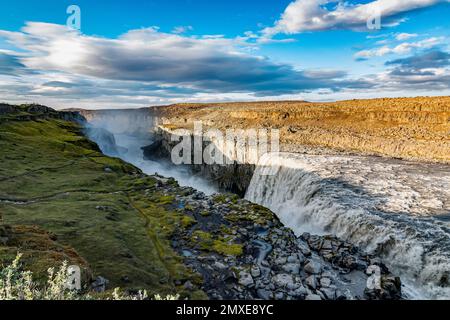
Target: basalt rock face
[[231, 175], [109, 145], [234, 178], [155, 151], [132, 122]]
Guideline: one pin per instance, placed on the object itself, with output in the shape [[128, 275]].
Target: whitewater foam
[[387, 207]]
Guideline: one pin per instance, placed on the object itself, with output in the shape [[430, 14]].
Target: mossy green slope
[[115, 217]]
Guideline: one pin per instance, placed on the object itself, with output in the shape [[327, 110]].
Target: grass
[[256, 214], [208, 242], [54, 178]]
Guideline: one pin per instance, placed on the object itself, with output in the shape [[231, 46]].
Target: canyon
[[355, 184], [372, 172]]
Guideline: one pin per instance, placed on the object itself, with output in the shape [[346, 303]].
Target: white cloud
[[152, 63], [182, 29], [63, 68], [405, 36], [316, 15], [403, 48]]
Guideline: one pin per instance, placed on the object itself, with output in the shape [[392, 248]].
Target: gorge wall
[[408, 128]]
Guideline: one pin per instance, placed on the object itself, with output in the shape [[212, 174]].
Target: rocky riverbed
[[242, 251]]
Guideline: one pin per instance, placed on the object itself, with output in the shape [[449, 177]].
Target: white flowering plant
[[16, 284]]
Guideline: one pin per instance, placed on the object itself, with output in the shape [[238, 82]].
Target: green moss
[[60, 178], [166, 199], [221, 198], [203, 239], [206, 241], [205, 213], [226, 198], [227, 249], [257, 214], [187, 221]]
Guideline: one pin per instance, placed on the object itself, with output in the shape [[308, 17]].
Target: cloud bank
[[162, 61], [319, 15], [54, 65]]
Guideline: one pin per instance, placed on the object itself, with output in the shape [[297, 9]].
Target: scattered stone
[[313, 267], [329, 293], [246, 279], [220, 266], [311, 282], [279, 296], [325, 282], [283, 280], [264, 294], [188, 286], [291, 268], [255, 272], [299, 292], [326, 245], [280, 260], [274, 263]]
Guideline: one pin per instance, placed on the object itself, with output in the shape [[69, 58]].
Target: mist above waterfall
[[124, 133]]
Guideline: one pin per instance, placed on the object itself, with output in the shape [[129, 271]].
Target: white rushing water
[[396, 209], [133, 154], [122, 133], [128, 147]]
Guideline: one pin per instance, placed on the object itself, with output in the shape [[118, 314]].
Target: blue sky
[[139, 53]]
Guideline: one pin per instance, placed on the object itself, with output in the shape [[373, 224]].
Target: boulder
[[293, 268], [313, 267], [264, 294], [245, 279], [311, 282], [325, 282], [283, 280], [255, 272], [99, 285]]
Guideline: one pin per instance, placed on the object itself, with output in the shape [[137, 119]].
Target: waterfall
[[389, 207], [120, 135]]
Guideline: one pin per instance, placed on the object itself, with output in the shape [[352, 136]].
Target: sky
[[131, 54]]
